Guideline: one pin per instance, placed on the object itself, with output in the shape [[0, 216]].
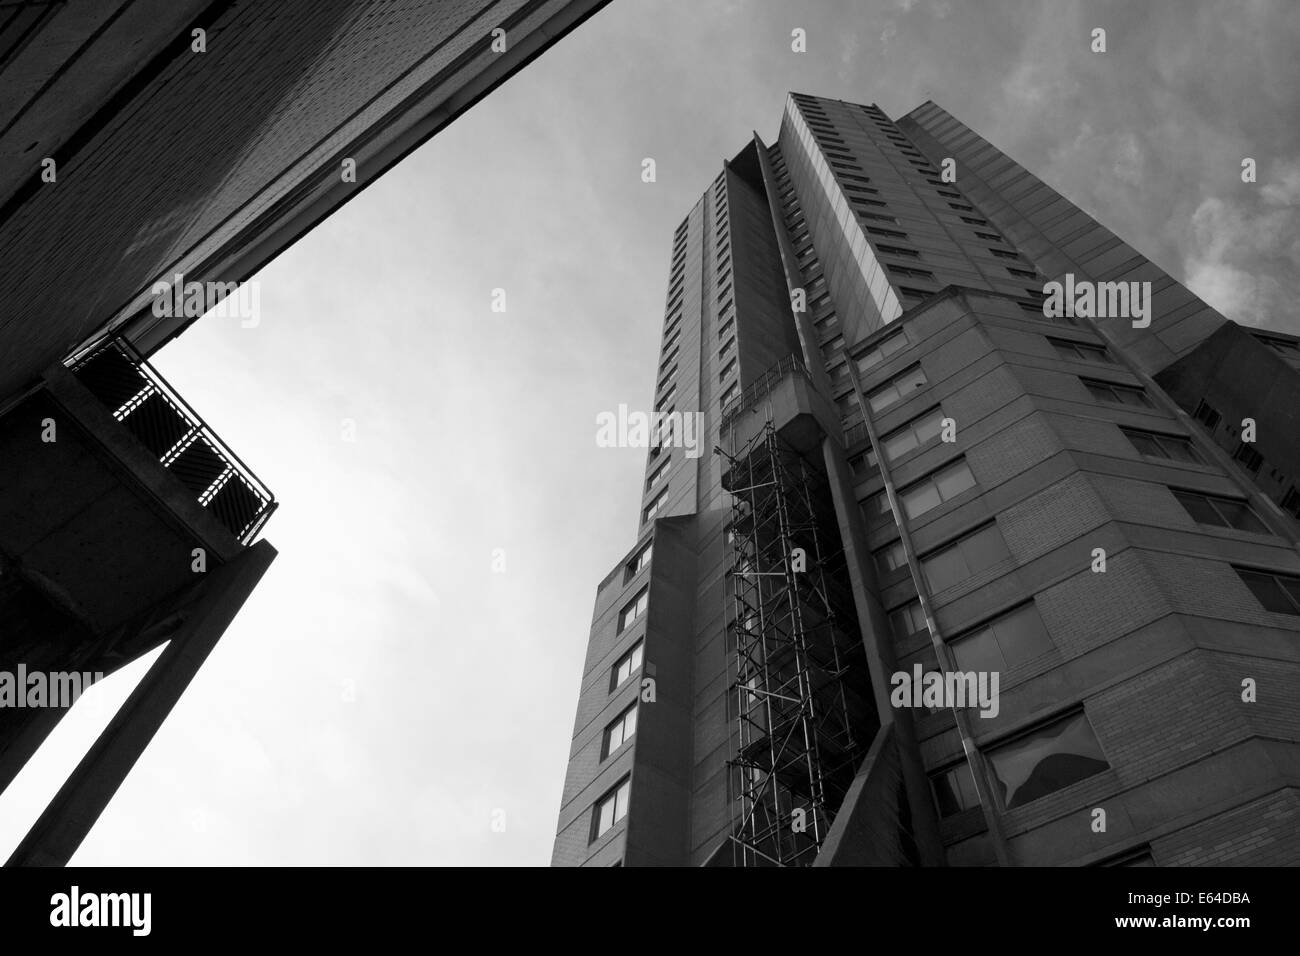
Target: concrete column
[[56, 835]]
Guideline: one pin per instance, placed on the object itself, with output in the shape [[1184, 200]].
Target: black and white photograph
[[494, 435]]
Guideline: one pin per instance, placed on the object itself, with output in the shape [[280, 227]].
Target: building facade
[[924, 466]]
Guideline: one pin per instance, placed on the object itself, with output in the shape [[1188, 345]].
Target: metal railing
[[761, 386], [148, 407]]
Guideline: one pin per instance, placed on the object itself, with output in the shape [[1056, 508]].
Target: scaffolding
[[797, 750]]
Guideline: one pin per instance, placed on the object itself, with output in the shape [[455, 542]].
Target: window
[[619, 732], [1155, 445], [653, 507], [1279, 593], [626, 666], [877, 217], [1250, 459], [913, 435], [666, 398], [669, 357], [884, 348], [634, 610], [664, 379], [890, 558], [1115, 394], [1220, 512], [896, 389], [954, 790], [726, 326], [991, 236], [877, 506], [961, 207], [656, 476], [639, 562], [891, 233], [1004, 254], [897, 251], [907, 620], [1081, 351], [939, 487], [1023, 273], [1047, 759], [862, 463], [1291, 502], [732, 391], [610, 808], [970, 555], [727, 370], [839, 375], [909, 272], [1003, 643], [730, 344], [1207, 415], [973, 221], [849, 409]]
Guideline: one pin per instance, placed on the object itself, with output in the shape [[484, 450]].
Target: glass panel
[[606, 817], [947, 794], [945, 569], [636, 657], [921, 499], [953, 481], [979, 652], [929, 427], [1021, 635], [1179, 450], [1145, 444], [621, 798], [1200, 509], [1047, 760], [1292, 587], [1130, 396], [900, 444], [629, 724], [1239, 516], [984, 548], [883, 398], [1268, 592]]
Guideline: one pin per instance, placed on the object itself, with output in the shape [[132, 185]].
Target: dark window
[[1279, 593], [907, 620], [1207, 415], [1250, 459], [954, 790], [610, 808], [1155, 445], [965, 558], [1081, 351], [1220, 512], [1004, 642], [1047, 759], [1116, 394]]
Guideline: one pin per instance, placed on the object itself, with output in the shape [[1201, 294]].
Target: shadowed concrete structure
[[139, 140], [1097, 512]]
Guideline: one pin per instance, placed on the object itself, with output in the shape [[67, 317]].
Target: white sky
[[476, 430]]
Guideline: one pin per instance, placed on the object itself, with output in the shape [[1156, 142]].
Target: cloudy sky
[[384, 691]]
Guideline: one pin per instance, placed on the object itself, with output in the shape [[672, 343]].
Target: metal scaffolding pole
[[796, 750]]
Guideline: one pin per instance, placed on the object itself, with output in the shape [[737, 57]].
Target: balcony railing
[[152, 411], [757, 389]]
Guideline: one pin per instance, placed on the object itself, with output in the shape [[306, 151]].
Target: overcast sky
[[384, 691]]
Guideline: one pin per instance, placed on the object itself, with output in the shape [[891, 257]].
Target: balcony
[[173, 433]]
